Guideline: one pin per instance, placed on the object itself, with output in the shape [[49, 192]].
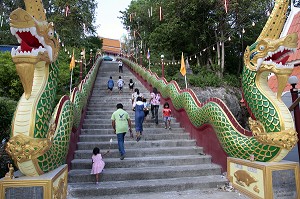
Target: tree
[[72, 28], [198, 26]]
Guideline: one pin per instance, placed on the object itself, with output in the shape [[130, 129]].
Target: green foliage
[[171, 70], [10, 85], [191, 26], [204, 80], [7, 109], [232, 80]]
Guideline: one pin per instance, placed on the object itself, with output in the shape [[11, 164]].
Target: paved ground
[[191, 194]]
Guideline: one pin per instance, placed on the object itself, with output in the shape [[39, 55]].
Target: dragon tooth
[[281, 48], [13, 51], [12, 30], [270, 54], [259, 62], [33, 31]]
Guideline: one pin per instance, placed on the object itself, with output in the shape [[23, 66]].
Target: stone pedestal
[[262, 180], [48, 186]]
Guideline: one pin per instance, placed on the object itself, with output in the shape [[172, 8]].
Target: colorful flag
[[182, 68], [148, 54], [72, 63]]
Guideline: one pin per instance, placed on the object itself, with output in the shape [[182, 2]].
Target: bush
[[7, 109], [204, 78], [10, 84], [232, 80]]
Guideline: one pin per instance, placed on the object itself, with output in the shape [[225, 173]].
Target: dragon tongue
[[25, 47]]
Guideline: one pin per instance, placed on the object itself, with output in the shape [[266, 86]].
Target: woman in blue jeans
[[139, 117]]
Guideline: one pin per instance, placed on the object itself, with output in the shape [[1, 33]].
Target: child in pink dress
[[98, 163]]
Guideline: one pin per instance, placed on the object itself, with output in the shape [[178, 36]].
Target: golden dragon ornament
[[41, 131], [271, 123]]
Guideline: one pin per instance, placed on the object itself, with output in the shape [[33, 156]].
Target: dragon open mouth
[[31, 43], [277, 58]]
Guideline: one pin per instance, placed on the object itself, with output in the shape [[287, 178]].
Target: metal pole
[[80, 74], [141, 58], [162, 68], [294, 93]]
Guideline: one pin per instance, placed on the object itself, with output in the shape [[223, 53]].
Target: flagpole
[[71, 82], [185, 81], [149, 63]]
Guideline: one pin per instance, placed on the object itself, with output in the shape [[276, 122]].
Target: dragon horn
[[36, 9], [275, 22]]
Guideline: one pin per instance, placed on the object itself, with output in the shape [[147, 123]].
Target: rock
[[229, 96]]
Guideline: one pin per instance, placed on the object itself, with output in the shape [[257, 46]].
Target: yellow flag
[[72, 63], [182, 68]]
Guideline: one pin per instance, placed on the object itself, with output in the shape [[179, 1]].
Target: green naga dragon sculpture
[[272, 126], [41, 132]]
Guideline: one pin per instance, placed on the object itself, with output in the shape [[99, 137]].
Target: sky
[[107, 13]]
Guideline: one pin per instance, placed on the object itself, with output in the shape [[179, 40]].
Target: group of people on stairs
[[121, 121]]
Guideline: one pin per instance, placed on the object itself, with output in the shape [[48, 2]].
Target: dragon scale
[[271, 124]]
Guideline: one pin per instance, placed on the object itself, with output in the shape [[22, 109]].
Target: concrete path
[[190, 194]]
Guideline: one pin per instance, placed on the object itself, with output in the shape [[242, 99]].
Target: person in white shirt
[[120, 84], [135, 95]]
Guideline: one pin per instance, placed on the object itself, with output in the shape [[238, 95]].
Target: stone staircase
[[163, 160]]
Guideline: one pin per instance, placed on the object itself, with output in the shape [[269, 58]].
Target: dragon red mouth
[[278, 58], [31, 44], [28, 42]]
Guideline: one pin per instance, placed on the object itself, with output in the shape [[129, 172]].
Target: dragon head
[[271, 55], [37, 38]]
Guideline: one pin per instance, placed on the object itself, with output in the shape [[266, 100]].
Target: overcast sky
[[107, 13]]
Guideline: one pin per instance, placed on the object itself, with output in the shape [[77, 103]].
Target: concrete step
[[145, 173], [106, 120], [143, 152], [105, 115], [163, 160], [147, 131], [162, 136], [206, 193], [109, 112], [143, 186], [160, 124], [137, 162], [137, 145]]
